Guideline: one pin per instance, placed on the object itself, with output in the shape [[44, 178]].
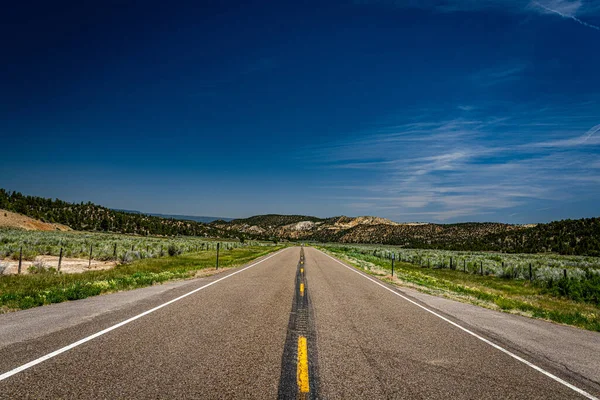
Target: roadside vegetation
[[574, 300], [103, 246], [46, 286]]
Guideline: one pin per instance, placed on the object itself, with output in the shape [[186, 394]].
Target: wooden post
[[393, 257], [161, 251], [451, 263], [218, 245], [132, 246], [60, 259], [565, 273], [481, 265], [465, 266], [530, 273], [20, 259], [91, 250], [115, 252]]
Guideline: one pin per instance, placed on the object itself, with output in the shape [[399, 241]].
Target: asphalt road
[[289, 326]]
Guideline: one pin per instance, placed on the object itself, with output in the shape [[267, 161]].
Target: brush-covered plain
[[571, 301], [31, 290]]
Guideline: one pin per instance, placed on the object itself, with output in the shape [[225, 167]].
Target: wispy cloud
[[565, 9], [498, 75], [571, 9], [460, 168], [588, 138]]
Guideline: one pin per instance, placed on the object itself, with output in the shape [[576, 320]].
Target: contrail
[[589, 134], [567, 16]]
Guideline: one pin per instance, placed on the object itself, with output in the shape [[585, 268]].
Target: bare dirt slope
[[10, 219]]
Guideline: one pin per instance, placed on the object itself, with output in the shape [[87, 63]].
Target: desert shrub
[[28, 254], [173, 250], [586, 289], [130, 256], [39, 267]]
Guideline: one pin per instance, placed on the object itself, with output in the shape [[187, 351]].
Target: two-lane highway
[[296, 324], [374, 344], [224, 341]]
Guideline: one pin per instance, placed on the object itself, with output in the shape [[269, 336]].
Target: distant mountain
[[365, 229], [580, 237], [197, 218]]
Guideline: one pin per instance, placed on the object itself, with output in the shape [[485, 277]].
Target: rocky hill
[[580, 237], [365, 229]]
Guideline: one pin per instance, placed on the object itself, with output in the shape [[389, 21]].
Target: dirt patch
[[68, 265], [10, 219]]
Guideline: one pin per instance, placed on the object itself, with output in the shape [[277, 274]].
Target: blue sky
[[433, 110]]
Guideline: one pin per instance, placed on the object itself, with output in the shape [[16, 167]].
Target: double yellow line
[[302, 367], [302, 371]]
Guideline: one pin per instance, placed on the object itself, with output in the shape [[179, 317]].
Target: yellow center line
[[301, 270], [302, 371], [302, 289]]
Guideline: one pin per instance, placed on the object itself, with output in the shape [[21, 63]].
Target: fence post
[[60, 259], [218, 245], [465, 266], [91, 249], [20, 259], [481, 265], [115, 252], [451, 266], [530, 273], [565, 273], [132, 246], [393, 258]]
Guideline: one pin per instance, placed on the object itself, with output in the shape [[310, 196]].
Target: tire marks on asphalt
[[299, 376]]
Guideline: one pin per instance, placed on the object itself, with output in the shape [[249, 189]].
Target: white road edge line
[[120, 324], [516, 357]]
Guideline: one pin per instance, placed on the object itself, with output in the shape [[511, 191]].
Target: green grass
[[515, 296], [26, 291]]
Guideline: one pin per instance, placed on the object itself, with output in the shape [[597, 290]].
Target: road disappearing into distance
[[297, 324]]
